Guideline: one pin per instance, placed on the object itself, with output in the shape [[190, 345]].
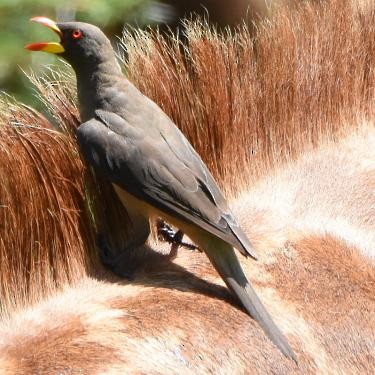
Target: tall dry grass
[[51, 207], [250, 103], [246, 104], [46, 234]]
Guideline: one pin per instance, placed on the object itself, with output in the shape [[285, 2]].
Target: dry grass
[[50, 207], [250, 103], [246, 105], [46, 236]]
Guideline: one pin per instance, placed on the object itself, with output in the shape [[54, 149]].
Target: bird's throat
[[93, 85]]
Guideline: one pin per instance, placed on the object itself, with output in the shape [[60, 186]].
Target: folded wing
[[160, 167]]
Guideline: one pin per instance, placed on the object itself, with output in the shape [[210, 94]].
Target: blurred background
[[111, 15]]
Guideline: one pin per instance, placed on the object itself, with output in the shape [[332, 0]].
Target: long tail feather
[[224, 259], [246, 248]]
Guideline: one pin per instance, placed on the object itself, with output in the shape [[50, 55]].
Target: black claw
[[114, 260], [173, 237], [105, 254], [165, 231]]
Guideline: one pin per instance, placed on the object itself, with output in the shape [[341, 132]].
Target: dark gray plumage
[[132, 143]]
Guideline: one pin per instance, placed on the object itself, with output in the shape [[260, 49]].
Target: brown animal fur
[[284, 122]]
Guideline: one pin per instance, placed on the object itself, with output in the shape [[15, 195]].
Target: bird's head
[[80, 43]]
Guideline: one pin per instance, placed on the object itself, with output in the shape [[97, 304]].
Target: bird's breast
[[136, 206], [132, 203]]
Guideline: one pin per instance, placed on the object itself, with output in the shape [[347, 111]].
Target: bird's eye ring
[[76, 34]]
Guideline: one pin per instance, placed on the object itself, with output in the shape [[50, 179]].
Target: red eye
[[76, 34]]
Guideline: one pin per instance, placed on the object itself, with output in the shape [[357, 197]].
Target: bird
[[129, 141]]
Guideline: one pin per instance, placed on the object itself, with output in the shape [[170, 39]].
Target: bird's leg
[[166, 233], [107, 255], [122, 261]]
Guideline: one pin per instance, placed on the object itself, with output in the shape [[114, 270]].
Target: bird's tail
[[224, 259]]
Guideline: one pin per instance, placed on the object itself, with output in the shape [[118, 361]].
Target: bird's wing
[[160, 167]]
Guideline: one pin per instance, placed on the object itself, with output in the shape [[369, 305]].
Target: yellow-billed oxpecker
[[127, 139]]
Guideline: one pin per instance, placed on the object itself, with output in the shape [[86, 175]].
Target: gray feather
[[226, 263], [153, 168], [130, 141]]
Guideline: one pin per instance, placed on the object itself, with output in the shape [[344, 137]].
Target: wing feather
[[161, 169]]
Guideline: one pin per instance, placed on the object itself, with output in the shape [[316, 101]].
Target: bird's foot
[[166, 233], [104, 250], [114, 260]]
